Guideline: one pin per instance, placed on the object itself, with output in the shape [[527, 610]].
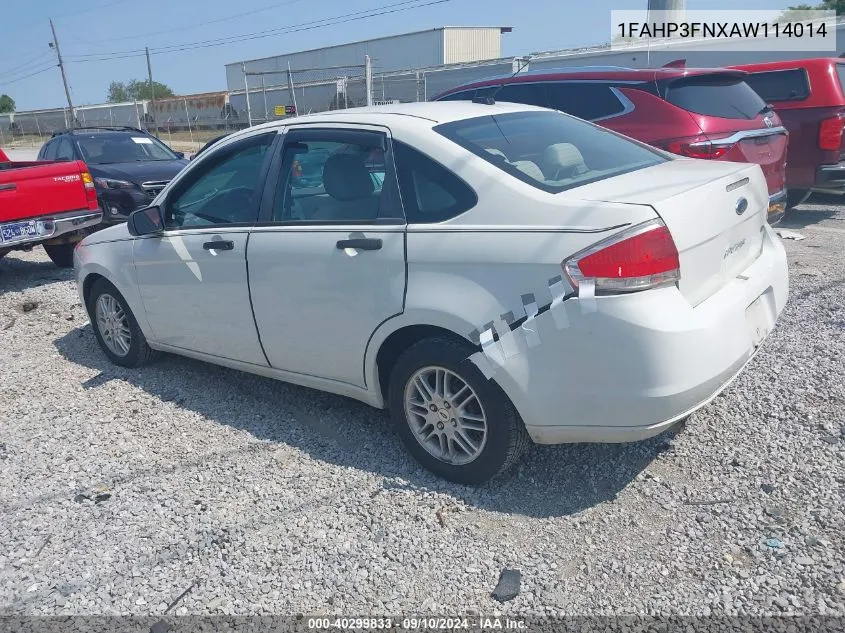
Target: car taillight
[[90, 190], [638, 258], [830, 132], [699, 147]]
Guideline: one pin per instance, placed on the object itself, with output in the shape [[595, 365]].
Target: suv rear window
[[549, 150], [728, 97], [780, 85]]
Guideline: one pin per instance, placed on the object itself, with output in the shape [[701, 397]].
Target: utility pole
[[152, 90], [55, 45], [246, 94]]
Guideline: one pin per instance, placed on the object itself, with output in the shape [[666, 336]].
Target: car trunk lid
[[716, 213]]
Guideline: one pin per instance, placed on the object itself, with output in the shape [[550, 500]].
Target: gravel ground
[[120, 490]]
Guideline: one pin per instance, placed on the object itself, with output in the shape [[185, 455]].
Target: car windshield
[[101, 149], [550, 150], [723, 96]]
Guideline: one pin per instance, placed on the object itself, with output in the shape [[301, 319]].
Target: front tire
[[454, 421], [116, 328], [60, 254]]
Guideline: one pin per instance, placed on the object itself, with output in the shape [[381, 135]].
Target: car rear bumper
[[53, 226], [624, 368], [830, 178]]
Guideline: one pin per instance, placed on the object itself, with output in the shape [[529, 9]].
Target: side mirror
[[146, 221], [180, 154]]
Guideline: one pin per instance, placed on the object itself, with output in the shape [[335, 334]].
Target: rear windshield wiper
[[766, 109]]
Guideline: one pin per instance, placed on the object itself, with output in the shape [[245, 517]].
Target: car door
[[193, 276], [327, 262]]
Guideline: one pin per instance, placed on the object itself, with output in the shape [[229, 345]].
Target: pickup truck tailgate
[[32, 189]]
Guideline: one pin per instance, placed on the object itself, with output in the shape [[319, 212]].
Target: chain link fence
[[276, 93]]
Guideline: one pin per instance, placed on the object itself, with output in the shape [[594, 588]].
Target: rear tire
[[61, 254], [454, 421], [116, 328]]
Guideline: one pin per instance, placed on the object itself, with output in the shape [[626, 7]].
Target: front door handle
[[361, 243], [219, 245], [8, 187]]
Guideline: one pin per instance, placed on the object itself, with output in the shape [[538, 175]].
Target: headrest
[[563, 156], [529, 168], [345, 177], [495, 152]]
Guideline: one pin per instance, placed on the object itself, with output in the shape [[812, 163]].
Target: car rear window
[[780, 85], [728, 97], [549, 150]]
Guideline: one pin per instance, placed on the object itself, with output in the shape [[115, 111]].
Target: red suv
[[809, 97], [698, 113]]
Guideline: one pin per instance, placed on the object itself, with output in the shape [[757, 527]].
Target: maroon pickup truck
[[52, 203]]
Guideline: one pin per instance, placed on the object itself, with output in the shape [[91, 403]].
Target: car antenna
[[490, 99]]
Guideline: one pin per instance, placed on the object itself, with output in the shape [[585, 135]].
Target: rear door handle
[[219, 245], [8, 186], [361, 243]]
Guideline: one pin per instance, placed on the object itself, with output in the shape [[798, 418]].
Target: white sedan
[[491, 273]]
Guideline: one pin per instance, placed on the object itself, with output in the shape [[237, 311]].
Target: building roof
[[502, 29]]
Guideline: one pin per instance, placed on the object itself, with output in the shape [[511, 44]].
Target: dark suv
[[129, 166], [698, 113]]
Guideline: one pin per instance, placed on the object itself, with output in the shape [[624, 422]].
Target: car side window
[[331, 176], [463, 95], [527, 93], [225, 189], [430, 192], [64, 150], [588, 101], [780, 85], [48, 152]]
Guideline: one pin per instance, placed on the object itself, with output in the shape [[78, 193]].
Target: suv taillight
[[698, 147], [830, 132], [639, 258]]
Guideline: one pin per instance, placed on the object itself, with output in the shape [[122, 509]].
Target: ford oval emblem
[[741, 206]]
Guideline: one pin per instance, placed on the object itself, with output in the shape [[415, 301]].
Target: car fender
[[115, 262], [463, 307]]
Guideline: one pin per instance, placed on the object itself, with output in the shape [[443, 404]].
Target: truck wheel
[[61, 254], [794, 197]]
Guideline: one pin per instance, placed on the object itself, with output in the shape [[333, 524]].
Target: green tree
[[7, 104], [824, 5], [136, 90]]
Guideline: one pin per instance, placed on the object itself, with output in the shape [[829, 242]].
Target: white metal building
[[421, 49]]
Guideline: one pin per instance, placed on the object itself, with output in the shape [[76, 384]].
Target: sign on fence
[[282, 110]]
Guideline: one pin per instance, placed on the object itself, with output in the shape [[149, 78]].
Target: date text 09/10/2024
[[431, 623]]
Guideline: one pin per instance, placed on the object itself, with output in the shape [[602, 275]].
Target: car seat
[[350, 190]]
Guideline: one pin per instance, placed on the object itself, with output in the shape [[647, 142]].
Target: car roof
[[592, 73], [429, 113], [102, 131]]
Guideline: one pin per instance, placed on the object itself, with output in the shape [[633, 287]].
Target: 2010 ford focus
[[491, 273]]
